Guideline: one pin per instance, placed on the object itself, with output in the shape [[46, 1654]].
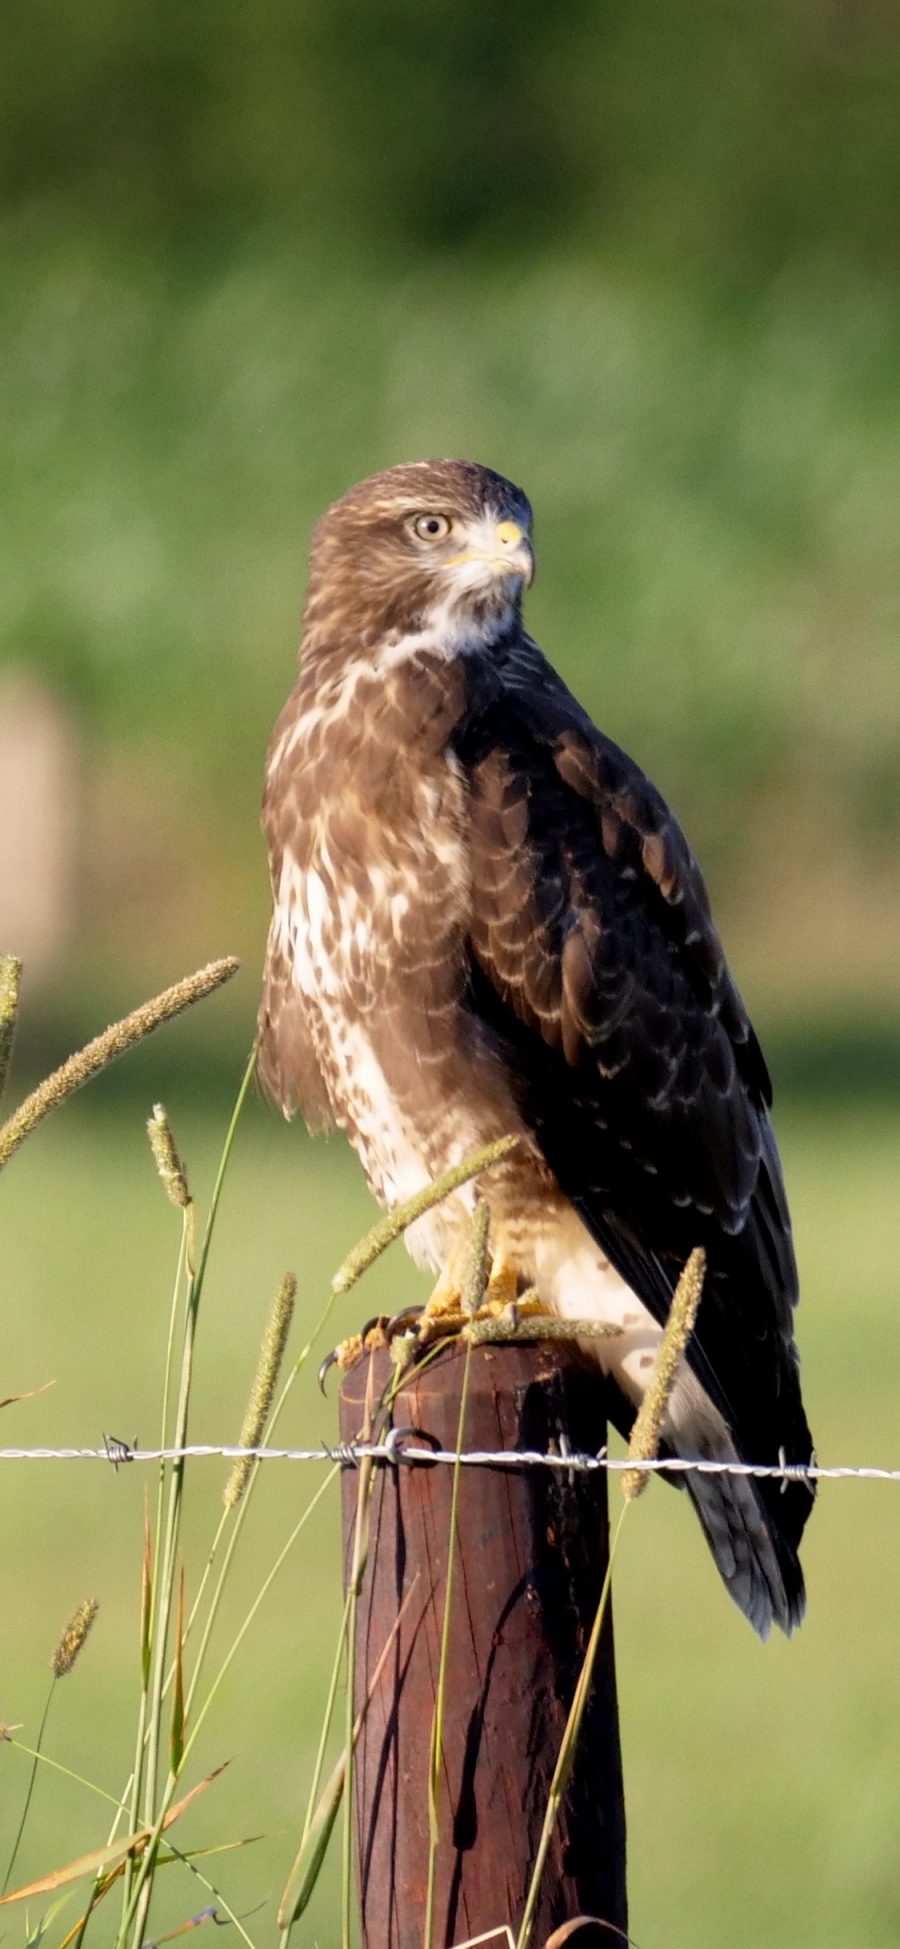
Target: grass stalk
[[67, 1651], [643, 1446], [162, 1621], [104, 1049], [221, 1903], [171, 1783], [648, 1426], [437, 1728], [136, 1908], [256, 1428], [365, 1477], [314, 1816], [56, 1766], [149, 1604], [10, 978], [36, 1757], [236, 1518], [364, 1487], [473, 1297], [254, 1467], [396, 1222], [318, 1826], [261, 1594], [569, 1743], [262, 1392], [337, 1667]]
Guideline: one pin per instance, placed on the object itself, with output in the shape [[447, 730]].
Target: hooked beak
[[510, 553], [515, 555]]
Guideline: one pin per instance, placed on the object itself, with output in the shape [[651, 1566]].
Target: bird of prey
[[486, 920]]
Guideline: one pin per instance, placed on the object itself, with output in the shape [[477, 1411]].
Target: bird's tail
[[752, 1524], [758, 1566]]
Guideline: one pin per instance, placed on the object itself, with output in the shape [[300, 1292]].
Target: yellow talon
[[447, 1295], [502, 1288], [348, 1352], [443, 1313]]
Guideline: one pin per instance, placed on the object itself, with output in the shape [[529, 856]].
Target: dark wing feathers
[[595, 966]]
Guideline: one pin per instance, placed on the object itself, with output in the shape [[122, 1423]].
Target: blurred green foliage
[[642, 260], [728, 138]]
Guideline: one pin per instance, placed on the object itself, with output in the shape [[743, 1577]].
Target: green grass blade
[[475, 1286], [569, 1744]]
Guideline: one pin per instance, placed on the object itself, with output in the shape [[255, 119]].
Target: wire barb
[[118, 1451]]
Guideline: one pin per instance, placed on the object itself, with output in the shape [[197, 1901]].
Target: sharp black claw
[[378, 1319], [389, 1327], [329, 1361], [399, 1322]]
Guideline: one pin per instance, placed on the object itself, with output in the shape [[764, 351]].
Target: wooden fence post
[[532, 1552]]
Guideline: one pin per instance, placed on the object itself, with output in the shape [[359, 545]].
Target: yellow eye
[[429, 527]]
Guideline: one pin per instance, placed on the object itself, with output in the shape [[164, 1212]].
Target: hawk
[[486, 920]]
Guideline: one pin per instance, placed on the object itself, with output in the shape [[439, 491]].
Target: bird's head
[[438, 546]]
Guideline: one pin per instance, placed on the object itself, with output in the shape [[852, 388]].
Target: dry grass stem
[[436, 1755], [74, 1637], [166, 1158], [645, 1435], [264, 1588], [569, 1746], [146, 1600], [176, 1727], [262, 1393], [30, 1394], [10, 977], [383, 1234], [364, 1486], [474, 1289], [489, 1935], [104, 1049], [70, 1645], [319, 1824], [111, 1855]]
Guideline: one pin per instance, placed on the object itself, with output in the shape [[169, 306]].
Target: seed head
[[104, 1049], [166, 1158], [10, 976], [645, 1434], [73, 1637], [271, 1354]]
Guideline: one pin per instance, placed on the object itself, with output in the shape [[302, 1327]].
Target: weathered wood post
[[532, 1552]]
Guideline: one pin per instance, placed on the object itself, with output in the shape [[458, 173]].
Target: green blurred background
[[645, 261]]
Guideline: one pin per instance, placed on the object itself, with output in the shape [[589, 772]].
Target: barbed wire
[[411, 1449]]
